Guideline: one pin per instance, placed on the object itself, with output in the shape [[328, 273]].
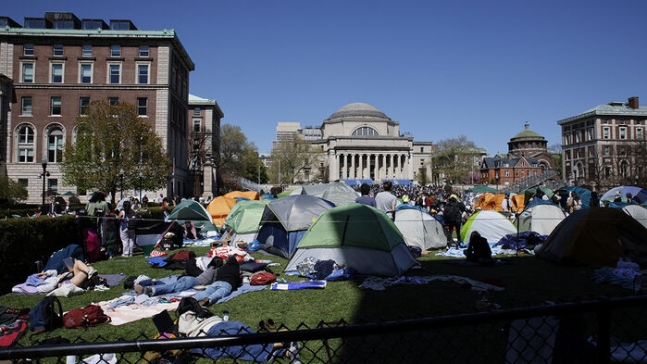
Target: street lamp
[[496, 177], [121, 185], [44, 176], [140, 186]]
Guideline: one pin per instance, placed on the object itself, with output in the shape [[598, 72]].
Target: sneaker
[[293, 353], [92, 272], [149, 291]]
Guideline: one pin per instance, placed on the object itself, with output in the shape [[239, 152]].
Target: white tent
[[420, 229], [637, 212], [541, 219]]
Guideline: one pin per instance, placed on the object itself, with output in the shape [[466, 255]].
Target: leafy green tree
[[11, 192], [292, 158], [111, 138], [453, 159], [238, 158]]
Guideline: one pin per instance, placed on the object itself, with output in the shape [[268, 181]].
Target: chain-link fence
[[596, 331]]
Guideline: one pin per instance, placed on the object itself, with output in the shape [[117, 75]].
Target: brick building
[[605, 146], [52, 67]]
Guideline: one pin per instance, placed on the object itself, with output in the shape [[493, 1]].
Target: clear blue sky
[[441, 68]]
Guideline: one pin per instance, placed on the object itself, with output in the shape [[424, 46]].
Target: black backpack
[[452, 212], [47, 315]]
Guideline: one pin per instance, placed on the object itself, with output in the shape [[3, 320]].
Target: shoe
[[139, 289], [101, 287], [205, 302], [149, 291], [92, 272], [293, 353]]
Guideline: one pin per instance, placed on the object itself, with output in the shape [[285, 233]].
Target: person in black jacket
[[228, 279], [453, 217]]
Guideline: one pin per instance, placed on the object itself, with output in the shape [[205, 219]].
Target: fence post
[[604, 331]]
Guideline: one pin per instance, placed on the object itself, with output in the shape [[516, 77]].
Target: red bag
[[91, 315], [262, 278]]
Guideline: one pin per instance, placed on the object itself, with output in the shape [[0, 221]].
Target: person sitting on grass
[[196, 321], [228, 279], [478, 250], [151, 288]]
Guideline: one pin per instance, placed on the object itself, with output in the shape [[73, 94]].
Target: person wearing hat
[[453, 216]]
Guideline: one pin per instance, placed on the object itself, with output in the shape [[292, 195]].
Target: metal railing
[[604, 330]]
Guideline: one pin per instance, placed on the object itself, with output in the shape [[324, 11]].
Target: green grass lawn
[[529, 281]]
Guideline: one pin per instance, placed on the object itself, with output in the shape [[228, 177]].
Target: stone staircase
[[547, 179]]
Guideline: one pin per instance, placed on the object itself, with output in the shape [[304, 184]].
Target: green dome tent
[[358, 236], [189, 210]]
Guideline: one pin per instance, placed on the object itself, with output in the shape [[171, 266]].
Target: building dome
[[358, 109], [526, 133]]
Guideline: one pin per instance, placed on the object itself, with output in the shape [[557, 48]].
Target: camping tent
[[490, 224], [583, 193], [338, 193], [244, 219], [420, 229], [638, 194], [190, 210], [219, 208], [482, 189], [358, 236], [541, 217], [596, 237], [637, 212], [490, 201], [285, 221], [246, 195]]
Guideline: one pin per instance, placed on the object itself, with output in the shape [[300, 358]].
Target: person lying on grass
[[78, 274], [228, 279], [195, 321], [209, 276]]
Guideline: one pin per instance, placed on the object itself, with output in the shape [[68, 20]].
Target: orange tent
[[250, 195], [490, 201], [518, 203], [219, 208]]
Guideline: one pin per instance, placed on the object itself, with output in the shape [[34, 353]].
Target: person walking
[[453, 216]]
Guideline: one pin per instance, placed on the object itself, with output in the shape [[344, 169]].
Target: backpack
[[262, 278], [47, 315], [91, 315]]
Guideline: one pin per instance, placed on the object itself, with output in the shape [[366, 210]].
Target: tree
[[292, 159], [453, 159], [238, 158], [11, 192], [111, 138]]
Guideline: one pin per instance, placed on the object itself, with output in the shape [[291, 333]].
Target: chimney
[[633, 102]]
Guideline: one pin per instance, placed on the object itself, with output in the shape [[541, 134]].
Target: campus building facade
[[359, 143], [52, 67], [605, 146]]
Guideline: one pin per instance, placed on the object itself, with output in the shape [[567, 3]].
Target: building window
[[57, 73], [605, 133], [28, 50], [115, 51], [113, 101], [142, 73], [52, 184], [639, 133], [115, 73], [196, 111], [422, 149], [25, 106], [57, 50], [55, 145], [86, 73], [623, 133], [25, 144], [84, 104], [143, 51], [55, 108], [607, 151], [365, 131], [28, 72], [142, 106], [23, 182], [86, 50], [197, 123]]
